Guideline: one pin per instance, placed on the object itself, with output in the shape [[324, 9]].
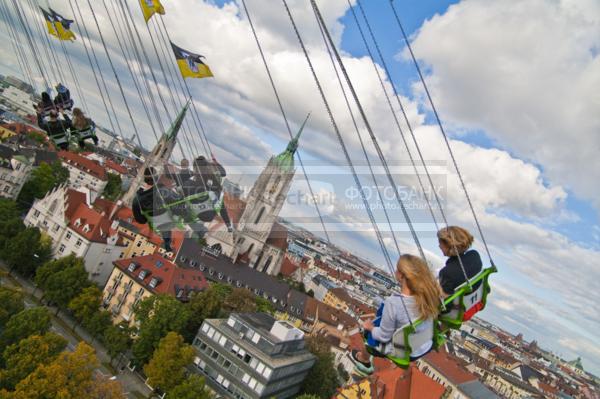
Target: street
[[132, 383]]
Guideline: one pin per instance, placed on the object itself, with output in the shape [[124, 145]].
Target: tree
[[86, 303], [64, 285], [23, 358], [322, 379], [53, 267], [307, 396], [157, 316], [12, 303], [166, 369], [97, 323], [264, 305], [205, 305], [32, 321], [71, 375], [112, 191], [192, 388], [117, 339], [240, 300], [43, 179], [10, 221], [26, 251]]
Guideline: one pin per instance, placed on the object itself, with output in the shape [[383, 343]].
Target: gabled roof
[[449, 367], [82, 163], [110, 164], [90, 224], [288, 267], [235, 207], [169, 278], [191, 254], [328, 314], [278, 236]]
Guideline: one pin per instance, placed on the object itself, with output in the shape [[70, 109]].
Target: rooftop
[[160, 276], [82, 163], [448, 367]]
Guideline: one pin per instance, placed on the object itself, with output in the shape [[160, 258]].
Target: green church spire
[[285, 160]]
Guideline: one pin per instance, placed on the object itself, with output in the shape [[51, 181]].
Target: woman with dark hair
[[454, 243], [45, 105]]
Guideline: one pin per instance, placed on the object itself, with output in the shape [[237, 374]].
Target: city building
[[134, 279], [75, 227], [84, 173], [18, 101], [393, 383], [15, 169], [252, 355], [259, 240]]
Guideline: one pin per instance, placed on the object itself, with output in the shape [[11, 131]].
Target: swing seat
[[60, 140], [466, 302], [82, 135], [403, 341], [66, 104]]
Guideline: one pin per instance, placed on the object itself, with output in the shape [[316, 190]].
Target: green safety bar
[[439, 332], [460, 293]]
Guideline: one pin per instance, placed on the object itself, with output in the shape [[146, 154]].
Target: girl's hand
[[368, 325]]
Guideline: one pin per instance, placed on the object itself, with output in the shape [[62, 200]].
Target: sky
[[514, 83]]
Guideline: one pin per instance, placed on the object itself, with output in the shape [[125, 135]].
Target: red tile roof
[[288, 267], [278, 236], [87, 165], [327, 314], [73, 199], [90, 224], [235, 207], [171, 278], [449, 367], [115, 166]]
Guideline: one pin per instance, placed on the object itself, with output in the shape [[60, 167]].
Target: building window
[[68, 236], [62, 248], [36, 213], [78, 243], [260, 214]]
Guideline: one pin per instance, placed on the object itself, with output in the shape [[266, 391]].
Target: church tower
[[259, 240], [159, 156]]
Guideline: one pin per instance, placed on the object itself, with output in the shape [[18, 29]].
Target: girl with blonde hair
[[80, 124], [419, 298], [455, 243]]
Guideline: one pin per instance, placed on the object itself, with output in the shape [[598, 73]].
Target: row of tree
[[33, 360]]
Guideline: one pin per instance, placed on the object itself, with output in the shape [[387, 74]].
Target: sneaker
[[362, 367]]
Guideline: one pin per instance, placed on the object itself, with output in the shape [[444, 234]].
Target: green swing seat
[[463, 305], [466, 301]]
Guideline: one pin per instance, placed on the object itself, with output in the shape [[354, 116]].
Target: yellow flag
[[151, 7], [49, 23], [190, 64], [62, 26]]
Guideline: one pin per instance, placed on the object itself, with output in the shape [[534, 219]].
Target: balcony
[[116, 309]]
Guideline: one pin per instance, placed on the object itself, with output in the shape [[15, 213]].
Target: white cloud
[[238, 103], [527, 73]]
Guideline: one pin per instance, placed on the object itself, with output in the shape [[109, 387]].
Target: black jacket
[[451, 275], [55, 128]]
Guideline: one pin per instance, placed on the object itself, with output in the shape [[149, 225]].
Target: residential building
[[134, 279], [84, 173], [252, 355], [18, 101], [393, 383], [76, 227], [15, 169], [446, 370]]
